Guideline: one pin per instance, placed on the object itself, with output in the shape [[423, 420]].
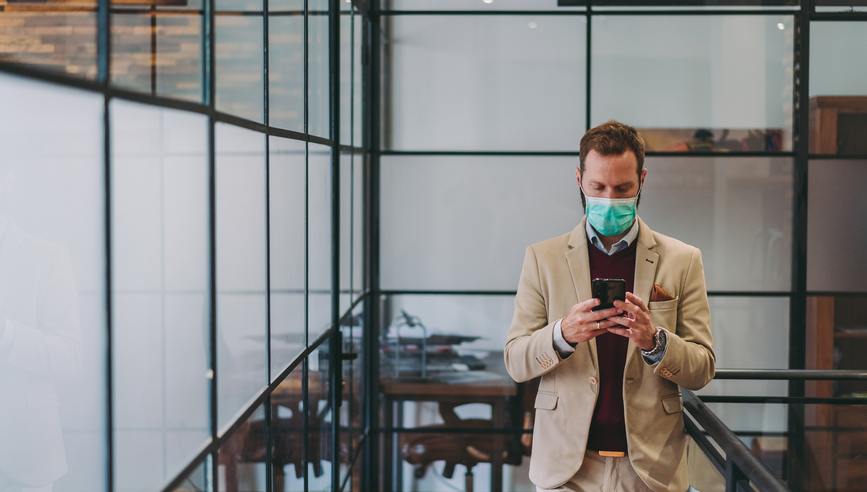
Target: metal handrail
[[740, 464], [792, 374]]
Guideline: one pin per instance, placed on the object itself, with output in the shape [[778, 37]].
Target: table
[[459, 387]]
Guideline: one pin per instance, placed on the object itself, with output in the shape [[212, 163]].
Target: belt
[[612, 454]]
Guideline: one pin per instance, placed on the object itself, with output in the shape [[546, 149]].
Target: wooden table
[[459, 387]]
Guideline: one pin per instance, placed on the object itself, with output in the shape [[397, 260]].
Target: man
[[609, 415], [40, 341]]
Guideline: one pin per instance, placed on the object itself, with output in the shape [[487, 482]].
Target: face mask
[[610, 216]]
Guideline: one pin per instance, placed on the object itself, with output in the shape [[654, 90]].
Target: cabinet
[[838, 125], [836, 435]]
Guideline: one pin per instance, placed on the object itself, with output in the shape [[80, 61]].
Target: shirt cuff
[[8, 334], [560, 343], [653, 359]]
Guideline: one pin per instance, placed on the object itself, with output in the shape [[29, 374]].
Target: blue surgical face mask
[[610, 216]]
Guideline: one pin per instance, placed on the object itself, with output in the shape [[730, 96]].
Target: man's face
[[610, 176]]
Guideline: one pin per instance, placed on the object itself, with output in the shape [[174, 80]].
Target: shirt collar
[[624, 242]]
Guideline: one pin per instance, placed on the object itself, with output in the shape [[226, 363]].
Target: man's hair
[[613, 138]]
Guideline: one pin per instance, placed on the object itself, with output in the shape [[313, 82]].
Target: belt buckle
[[612, 454]]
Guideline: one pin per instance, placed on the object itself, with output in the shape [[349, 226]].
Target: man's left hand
[[636, 324]]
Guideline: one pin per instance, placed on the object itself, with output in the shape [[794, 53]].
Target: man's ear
[[578, 175], [643, 175]]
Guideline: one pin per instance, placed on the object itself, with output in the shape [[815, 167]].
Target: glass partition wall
[[183, 229], [753, 115]]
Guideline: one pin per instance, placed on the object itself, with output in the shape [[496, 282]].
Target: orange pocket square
[[659, 294]]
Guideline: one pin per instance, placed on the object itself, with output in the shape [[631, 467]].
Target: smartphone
[[608, 290]]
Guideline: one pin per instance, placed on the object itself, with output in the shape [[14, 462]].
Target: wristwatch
[[659, 338]]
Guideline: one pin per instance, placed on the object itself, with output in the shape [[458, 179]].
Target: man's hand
[[582, 324], [638, 326]]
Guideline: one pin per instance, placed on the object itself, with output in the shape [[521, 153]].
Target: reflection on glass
[[838, 99], [52, 282], [196, 481], [696, 83], [241, 463], [160, 291], [487, 82], [346, 66], [242, 311], [287, 429], [836, 209], [475, 214], [319, 421], [157, 53], [346, 215], [319, 240], [286, 71], [358, 281], [240, 66], [317, 68], [357, 74], [60, 39], [478, 5], [351, 425], [287, 175]]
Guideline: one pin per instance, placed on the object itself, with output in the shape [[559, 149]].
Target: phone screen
[[608, 290]]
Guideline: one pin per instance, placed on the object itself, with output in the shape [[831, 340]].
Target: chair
[[471, 449]]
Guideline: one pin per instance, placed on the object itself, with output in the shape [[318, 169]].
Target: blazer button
[[592, 380]]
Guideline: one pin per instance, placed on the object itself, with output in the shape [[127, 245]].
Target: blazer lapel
[[578, 259], [646, 261], [10, 257]]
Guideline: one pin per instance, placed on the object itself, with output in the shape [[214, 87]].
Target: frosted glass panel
[[738, 211], [492, 83], [287, 175], [242, 308], [319, 240], [52, 280], [240, 88], [345, 231], [680, 74], [837, 58], [836, 214], [160, 246], [465, 222], [317, 68]]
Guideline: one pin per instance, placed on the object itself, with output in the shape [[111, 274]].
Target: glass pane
[[317, 68], [357, 76], [838, 99], [158, 53], [358, 214], [57, 39], [737, 211], [486, 83], [160, 291], [346, 230], [52, 277], [491, 204], [731, 208], [287, 175], [287, 427], [241, 462], [196, 481], [764, 321], [242, 308], [351, 425], [319, 422], [286, 71], [240, 89], [346, 38], [481, 5], [319, 240], [696, 83], [836, 212]]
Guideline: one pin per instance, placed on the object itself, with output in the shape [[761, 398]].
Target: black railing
[[739, 467]]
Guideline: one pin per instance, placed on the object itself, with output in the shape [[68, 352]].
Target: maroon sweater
[[608, 429]]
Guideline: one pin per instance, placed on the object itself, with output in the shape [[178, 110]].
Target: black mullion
[[335, 372], [836, 17], [109, 359], [575, 153], [424, 292], [598, 11], [588, 49], [103, 43], [213, 289]]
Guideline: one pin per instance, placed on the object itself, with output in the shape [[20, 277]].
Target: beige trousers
[[602, 474]]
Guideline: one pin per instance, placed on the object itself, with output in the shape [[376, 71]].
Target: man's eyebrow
[[629, 184]]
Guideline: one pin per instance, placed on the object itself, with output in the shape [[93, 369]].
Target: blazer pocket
[[546, 401], [672, 404], [662, 305]]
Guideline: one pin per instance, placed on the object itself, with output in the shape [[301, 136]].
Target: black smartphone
[[608, 290]]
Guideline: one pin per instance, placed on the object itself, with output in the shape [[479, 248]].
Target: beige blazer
[[556, 276]]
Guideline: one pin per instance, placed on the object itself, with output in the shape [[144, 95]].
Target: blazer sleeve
[[689, 358], [530, 351]]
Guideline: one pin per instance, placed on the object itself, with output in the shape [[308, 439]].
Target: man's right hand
[[582, 324]]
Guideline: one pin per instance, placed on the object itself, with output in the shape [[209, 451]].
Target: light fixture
[[533, 25], [781, 26], [488, 1]]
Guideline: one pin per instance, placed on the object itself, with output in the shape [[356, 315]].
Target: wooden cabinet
[[836, 435], [838, 125]]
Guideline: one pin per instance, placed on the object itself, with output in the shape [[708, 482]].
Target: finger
[[604, 313], [628, 307], [621, 321], [624, 332], [634, 299], [586, 306]]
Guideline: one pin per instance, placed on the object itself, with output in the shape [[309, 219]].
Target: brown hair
[[613, 138]]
